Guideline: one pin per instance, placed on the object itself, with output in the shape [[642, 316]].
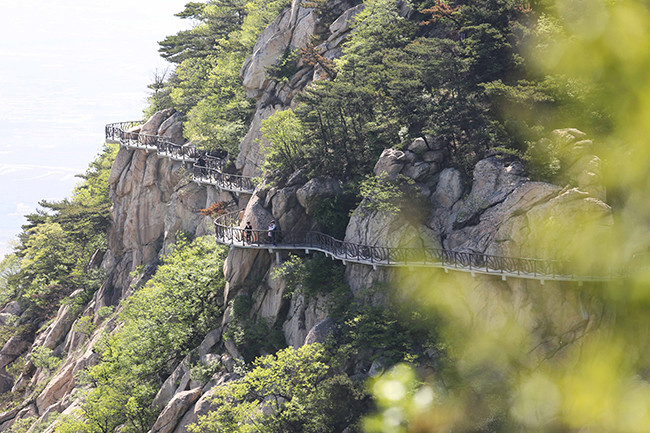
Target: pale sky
[[67, 67]]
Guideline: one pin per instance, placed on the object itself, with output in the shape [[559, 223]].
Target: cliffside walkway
[[207, 168], [229, 232]]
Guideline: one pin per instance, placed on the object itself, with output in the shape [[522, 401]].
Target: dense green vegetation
[[52, 253], [290, 391], [453, 70], [161, 323], [456, 71], [205, 85], [51, 262]]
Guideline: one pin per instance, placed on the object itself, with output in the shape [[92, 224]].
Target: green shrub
[[241, 306], [333, 213], [203, 373], [381, 194], [105, 311], [253, 338], [283, 144], [42, 357], [85, 326], [313, 276], [291, 391], [285, 67]]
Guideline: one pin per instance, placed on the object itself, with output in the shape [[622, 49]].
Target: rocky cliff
[[499, 212]]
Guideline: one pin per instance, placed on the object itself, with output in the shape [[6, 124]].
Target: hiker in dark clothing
[[201, 164], [248, 233]]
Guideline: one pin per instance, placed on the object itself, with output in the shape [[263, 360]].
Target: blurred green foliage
[[556, 357]]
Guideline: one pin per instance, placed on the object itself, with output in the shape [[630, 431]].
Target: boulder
[[287, 212], [56, 332], [494, 178], [503, 228], [317, 189], [570, 224], [344, 21], [232, 349], [251, 158], [419, 146], [59, 386], [172, 129], [209, 341], [449, 188], [585, 173], [421, 171], [390, 163], [292, 29], [302, 316], [152, 125], [270, 45], [175, 409], [13, 348], [304, 28], [167, 390], [383, 228], [320, 331], [12, 308], [297, 178], [203, 405], [269, 298], [257, 214]]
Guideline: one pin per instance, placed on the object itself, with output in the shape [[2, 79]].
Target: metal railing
[[229, 232], [207, 167]]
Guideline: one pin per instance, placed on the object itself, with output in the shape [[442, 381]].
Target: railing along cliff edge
[[229, 232], [207, 168]]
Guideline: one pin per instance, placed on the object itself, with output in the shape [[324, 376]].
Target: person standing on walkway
[[273, 232], [248, 233], [201, 164]]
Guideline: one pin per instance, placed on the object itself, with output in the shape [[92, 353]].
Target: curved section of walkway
[[207, 168], [229, 232]]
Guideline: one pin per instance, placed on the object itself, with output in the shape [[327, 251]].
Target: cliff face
[[501, 213]]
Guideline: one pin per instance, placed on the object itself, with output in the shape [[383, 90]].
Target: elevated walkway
[[207, 168], [229, 232]]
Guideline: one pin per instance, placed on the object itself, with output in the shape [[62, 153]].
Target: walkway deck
[[207, 168], [229, 232]]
